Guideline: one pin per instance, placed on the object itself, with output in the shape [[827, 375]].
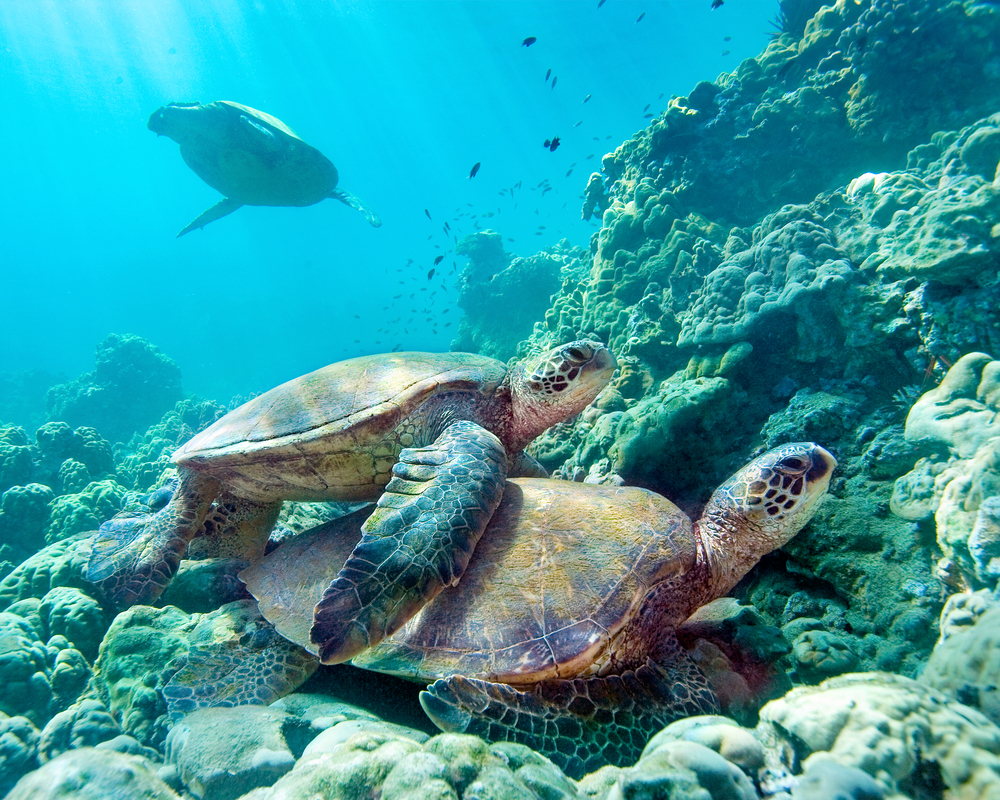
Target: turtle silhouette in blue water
[[252, 158]]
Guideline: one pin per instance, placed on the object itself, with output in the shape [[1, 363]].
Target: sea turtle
[[254, 159], [447, 427], [561, 633]]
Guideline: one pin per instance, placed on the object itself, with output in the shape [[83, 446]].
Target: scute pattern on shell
[[582, 585]]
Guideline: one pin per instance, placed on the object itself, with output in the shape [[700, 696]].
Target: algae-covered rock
[[385, 761], [25, 512], [84, 724], [61, 564], [889, 726], [223, 753], [15, 457], [18, 749], [93, 774], [965, 662]]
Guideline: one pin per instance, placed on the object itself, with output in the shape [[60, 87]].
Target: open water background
[[404, 97]]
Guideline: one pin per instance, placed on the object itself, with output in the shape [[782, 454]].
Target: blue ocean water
[[404, 97]]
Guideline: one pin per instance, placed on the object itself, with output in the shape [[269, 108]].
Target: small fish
[[438, 260], [554, 81], [577, 125], [590, 156], [716, 4], [552, 144], [585, 99], [547, 74], [640, 18], [725, 52], [646, 108], [429, 276], [727, 39], [428, 213], [529, 41], [600, 3], [474, 170], [647, 116], [569, 172]]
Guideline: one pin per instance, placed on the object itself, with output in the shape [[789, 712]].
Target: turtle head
[[173, 119], [761, 507], [555, 385]]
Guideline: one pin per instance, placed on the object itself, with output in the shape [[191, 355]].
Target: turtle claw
[[446, 714], [418, 540]]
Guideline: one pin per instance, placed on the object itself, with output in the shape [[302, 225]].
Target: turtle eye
[[577, 354], [792, 464]]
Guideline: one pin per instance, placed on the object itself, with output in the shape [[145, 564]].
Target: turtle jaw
[[556, 385]]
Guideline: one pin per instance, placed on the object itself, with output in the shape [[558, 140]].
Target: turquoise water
[[404, 97]]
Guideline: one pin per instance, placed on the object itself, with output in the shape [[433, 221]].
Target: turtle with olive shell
[[430, 436], [252, 158], [561, 633]]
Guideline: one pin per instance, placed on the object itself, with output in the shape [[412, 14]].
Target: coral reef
[[806, 248], [502, 296]]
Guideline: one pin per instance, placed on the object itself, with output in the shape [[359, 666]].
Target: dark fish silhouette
[[551, 144], [600, 3], [529, 41], [585, 99], [428, 213], [716, 4], [727, 39], [640, 17], [475, 169], [429, 275], [578, 124], [547, 73], [725, 52], [438, 260], [554, 81], [646, 108]]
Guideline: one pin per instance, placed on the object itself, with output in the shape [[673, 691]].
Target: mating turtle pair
[[431, 436], [252, 158], [560, 634]]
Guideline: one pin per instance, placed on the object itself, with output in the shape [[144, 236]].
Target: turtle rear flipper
[[418, 540], [218, 211], [350, 200], [580, 724], [236, 658], [133, 558]]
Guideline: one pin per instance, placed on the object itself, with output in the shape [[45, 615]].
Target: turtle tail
[[349, 199], [580, 724]]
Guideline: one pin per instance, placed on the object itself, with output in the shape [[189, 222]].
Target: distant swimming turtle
[[561, 633], [445, 427], [252, 158]]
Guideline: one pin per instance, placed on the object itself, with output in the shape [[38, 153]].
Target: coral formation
[[132, 384]]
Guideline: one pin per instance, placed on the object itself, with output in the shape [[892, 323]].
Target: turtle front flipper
[[350, 200], [218, 211], [133, 558], [580, 724], [418, 540]]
